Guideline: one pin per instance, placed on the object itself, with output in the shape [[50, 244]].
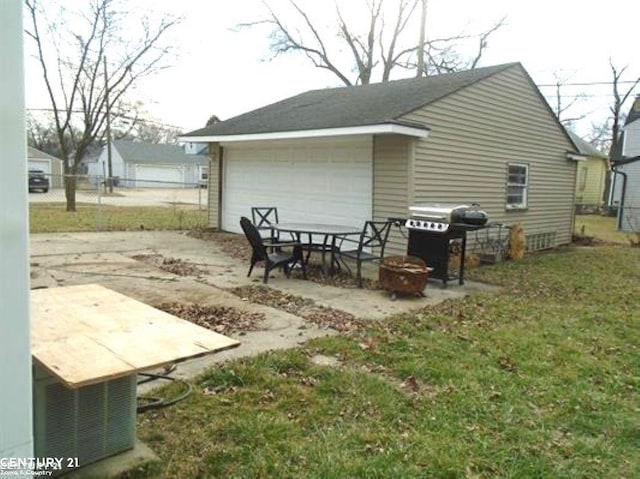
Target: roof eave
[[378, 129], [572, 155]]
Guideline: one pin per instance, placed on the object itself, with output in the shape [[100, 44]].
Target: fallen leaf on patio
[[221, 319]]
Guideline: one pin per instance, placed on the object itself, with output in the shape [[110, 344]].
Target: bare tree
[[619, 99], [70, 49], [613, 124], [213, 119], [443, 56], [379, 45], [600, 135], [148, 131], [560, 107], [42, 135]]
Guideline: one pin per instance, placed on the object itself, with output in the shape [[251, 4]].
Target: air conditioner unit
[[88, 423]]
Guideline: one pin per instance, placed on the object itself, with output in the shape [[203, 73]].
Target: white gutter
[[576, 156], [382, 129]]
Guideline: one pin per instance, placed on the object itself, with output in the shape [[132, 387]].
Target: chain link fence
[[630, 218], [119, 206]]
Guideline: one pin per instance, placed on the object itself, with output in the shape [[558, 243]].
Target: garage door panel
[[330, 184], [154, 176], [44, 165]]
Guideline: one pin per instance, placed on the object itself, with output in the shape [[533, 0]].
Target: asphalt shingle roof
[[37, 154], [349, 106], [155, 153], [584, 147], [634, 113]]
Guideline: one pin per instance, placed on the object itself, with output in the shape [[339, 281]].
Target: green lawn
[[538, 381], [53, 218], [602, 228]]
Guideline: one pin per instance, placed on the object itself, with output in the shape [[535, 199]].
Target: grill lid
[[436, 211], [450, 213]]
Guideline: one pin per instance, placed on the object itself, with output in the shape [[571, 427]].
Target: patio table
[[329, 232]]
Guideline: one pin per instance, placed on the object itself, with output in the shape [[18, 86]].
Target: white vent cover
[[88, 423]]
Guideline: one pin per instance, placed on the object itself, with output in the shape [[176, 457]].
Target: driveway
[[112, 259], [130, 197]]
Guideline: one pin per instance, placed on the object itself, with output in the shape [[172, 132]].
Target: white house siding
[[631, 145], [100, 168], [391, 195], [629, 218], [629, 215], [476, 132], [159, 175]]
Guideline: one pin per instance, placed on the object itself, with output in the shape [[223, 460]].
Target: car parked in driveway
[[38, 181]]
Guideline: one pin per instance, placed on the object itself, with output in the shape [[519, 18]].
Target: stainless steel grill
[[441, 218], [435, 230]]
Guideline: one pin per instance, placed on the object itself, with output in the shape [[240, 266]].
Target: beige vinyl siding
[[213, 186], [391, 195], [476, 133], [596, 170]]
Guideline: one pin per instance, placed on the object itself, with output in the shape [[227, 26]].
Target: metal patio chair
[[369, 247], [279, 258], [263, 217]]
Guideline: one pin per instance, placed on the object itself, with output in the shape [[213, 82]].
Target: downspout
[[622, 194]]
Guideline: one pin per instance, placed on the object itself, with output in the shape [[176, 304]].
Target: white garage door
[[44, 165], [326, 181], [154, 176]]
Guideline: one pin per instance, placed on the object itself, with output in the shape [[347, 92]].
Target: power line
[[117, 115], [593, 83]]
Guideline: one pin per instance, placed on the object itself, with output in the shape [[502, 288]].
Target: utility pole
[[106, 98], [421, 42]]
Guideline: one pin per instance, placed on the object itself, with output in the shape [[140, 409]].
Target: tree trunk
[[70, 191], [70, 183]]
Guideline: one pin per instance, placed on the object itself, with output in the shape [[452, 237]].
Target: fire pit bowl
[[403, 274]]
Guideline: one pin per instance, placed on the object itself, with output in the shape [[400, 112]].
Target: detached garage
[[332, 176], [50, 165], [149, 165], [351, 154]]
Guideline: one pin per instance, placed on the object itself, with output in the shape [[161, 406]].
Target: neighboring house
[[150, 165], [345, 155], [50, 165], [625, 188], [592, 175]]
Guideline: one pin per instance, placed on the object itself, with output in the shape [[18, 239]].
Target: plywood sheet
[[87, 334]]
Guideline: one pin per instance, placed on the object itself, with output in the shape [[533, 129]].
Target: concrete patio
[[107, 259]]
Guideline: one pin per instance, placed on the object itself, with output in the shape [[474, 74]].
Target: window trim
[[525, 188]]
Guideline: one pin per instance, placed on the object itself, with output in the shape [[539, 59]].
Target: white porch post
[[15, 357]]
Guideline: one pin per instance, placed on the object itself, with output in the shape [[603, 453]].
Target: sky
[[222, 70]]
